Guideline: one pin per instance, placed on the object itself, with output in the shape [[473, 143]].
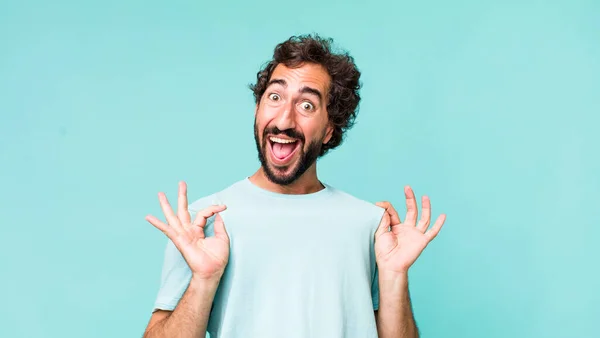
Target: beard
[[286, 175]]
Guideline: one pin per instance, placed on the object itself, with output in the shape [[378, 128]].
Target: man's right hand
[[206, 256]]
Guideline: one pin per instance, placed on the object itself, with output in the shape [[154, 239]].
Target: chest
[[298, 239]]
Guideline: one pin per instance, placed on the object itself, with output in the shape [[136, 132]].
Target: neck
[[308, 183]]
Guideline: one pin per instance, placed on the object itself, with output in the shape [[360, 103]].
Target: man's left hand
[[396, 249]]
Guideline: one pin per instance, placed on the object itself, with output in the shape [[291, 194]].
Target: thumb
[[219, 227], [384, 225]]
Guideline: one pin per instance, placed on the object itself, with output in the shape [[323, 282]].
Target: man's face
[[291, 121]]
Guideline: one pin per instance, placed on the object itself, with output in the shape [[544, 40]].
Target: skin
[[296, 101], [397, 246], [206, 257], [288, 106]]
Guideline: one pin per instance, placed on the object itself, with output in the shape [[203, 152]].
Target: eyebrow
[[307, 90]]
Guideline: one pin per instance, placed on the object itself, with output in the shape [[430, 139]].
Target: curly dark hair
[[343, 100]]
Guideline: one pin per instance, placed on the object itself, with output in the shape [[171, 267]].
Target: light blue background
[[491, 108]]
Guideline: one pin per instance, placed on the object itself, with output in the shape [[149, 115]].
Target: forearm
[[190, 317], [395, 317]]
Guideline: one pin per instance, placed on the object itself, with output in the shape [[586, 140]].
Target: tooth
[[279, 140]]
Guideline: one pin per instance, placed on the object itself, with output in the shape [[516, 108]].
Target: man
[[279, 253]]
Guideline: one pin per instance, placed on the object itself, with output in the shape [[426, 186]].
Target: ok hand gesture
[[206, 256], [397, 250]]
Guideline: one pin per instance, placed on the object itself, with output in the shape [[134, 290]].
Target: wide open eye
[[307, 106], [274, 97]]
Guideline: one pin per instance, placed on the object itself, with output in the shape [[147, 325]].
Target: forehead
[[308, 74]]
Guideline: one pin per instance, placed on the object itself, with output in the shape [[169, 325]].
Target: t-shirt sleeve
[[176, 273], [375, 283], [375, 290], [175, 278]]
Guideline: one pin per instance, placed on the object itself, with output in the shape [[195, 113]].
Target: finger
[[182, 201], [437, 226], [425, 214], [166, 208], [395, 218], [411, 206], [203, 214], [384, 225], [165, 228], [220, 231]]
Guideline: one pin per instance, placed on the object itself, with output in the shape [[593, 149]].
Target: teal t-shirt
[[299, 265]]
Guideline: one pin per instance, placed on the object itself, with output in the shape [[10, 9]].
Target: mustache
[[292, 133]]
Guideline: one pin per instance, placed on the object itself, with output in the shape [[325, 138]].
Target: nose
[[286, 117]]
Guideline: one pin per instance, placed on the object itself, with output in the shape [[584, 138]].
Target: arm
[[395, 316], [397, 246], [205, 258], [190, 317]]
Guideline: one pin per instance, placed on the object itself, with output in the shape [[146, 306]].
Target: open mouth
[[282, 149]]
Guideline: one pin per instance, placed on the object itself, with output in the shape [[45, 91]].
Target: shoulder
[[357, 206], [218, 197]]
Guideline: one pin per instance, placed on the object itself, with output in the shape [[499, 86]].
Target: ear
[[328, 133]]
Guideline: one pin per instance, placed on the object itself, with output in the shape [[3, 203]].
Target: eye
[[307, 106], [274, 97]]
